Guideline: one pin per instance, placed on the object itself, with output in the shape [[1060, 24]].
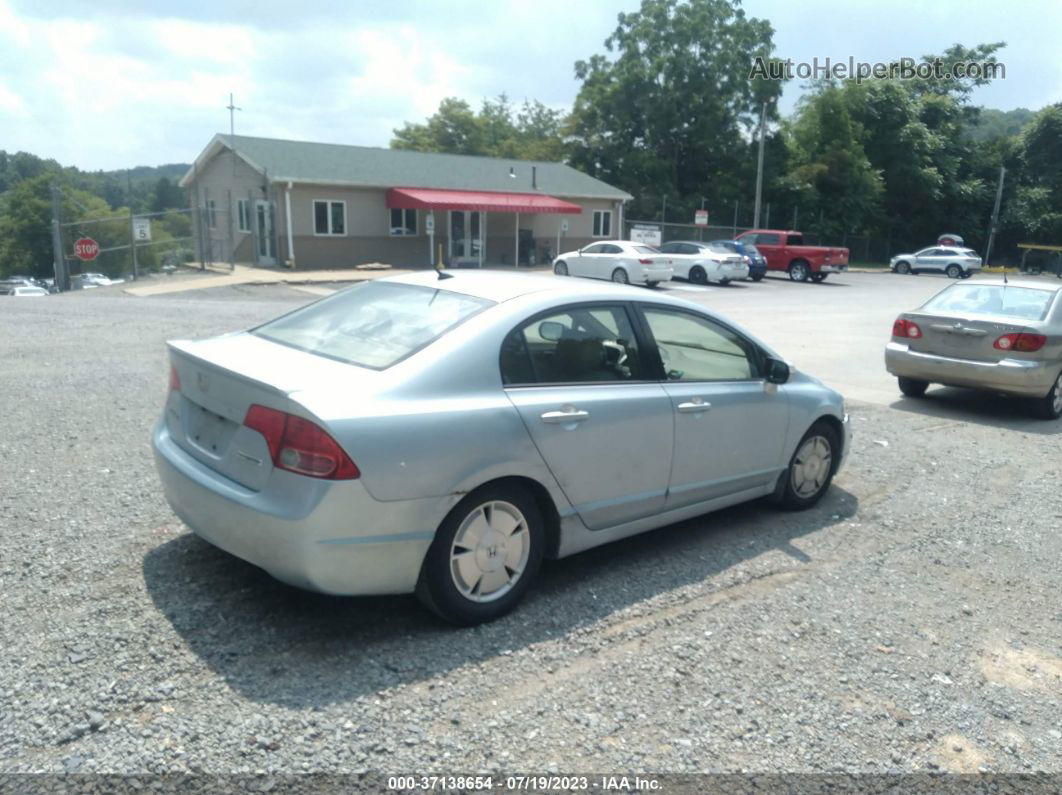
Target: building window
[[243, 214], [212, 216], [602, 223], [403, 222], [329, 217]]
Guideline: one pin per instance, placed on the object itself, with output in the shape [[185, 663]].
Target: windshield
[[375, 324], [1024, 303]]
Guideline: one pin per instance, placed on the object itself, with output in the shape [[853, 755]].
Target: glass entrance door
[[467, 230], [263, 211]]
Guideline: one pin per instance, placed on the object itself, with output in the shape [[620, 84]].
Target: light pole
[[759, 168]]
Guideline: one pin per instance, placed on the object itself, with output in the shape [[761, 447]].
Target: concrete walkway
[[244, 274]]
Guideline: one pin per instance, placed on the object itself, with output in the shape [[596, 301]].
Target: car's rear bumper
[[1014, 376], [836, 268], [652, 275], [336, 540], [757, 270], [733, 271]]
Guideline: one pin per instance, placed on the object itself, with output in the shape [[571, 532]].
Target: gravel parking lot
[[910, 622]]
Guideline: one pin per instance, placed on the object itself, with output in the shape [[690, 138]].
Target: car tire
[[697, 275], [724, 282], [811, 468], [758, 277], [561, 268], [619, 276], [903, 268], [1049, 407], [819, 278], [799, 271], [912, 387], [953, 271], [449, 587]]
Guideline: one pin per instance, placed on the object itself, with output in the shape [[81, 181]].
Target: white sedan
[[621, 261], [701, 263]]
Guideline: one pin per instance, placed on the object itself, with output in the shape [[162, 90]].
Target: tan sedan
[[984, 335]]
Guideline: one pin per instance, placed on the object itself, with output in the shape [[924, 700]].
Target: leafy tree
[[167, 196]]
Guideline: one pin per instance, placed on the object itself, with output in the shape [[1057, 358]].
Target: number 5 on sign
[[142, 229]]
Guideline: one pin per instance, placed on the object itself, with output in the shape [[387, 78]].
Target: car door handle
[[695, 406], [574, 415]]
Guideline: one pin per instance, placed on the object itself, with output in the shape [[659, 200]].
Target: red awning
[[477, 201]]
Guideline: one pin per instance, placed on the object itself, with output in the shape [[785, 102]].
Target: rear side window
[[587, 344], [375, 324], [794, 240], [1022, 303]]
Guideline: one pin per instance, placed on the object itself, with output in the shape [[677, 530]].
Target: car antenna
[[442, 274]]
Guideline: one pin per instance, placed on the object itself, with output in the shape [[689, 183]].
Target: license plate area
[[209, 432]]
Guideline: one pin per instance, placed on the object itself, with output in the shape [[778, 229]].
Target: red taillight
[[175, 380], [906, 328], [1024, 342], [645, 261], [297, 445]]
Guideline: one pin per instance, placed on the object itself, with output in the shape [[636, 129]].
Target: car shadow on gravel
[[982, 408], [280, 645]]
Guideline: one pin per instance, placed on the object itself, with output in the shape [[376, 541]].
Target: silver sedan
[[444, 434], [1003, 337]]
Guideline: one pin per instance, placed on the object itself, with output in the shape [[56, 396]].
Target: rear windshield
[[646, 250], [375, 324], [751, 250], [1024, 303]]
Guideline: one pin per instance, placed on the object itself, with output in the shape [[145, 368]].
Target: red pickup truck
[[785, 251]]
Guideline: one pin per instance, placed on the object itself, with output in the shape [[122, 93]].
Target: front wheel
[[619, 276], [903, 268], [561, 269], [697, 275], [484, 556], [1049, 407], [912, 387], [811, 468], [799, 271], [953, 271]]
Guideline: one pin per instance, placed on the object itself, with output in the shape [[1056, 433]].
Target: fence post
[[733, 232]]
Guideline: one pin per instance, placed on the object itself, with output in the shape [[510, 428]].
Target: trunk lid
[[963, 336], [221, 378]]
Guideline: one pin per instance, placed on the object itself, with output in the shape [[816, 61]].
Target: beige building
[[307, 205]]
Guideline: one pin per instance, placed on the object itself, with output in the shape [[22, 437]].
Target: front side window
[[577, 345], [765, 240], [375, 324], [403, 222], [794, 240], [329, 217], [694, 348], [602, 223]]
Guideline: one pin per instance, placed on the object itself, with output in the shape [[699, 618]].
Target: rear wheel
[[484, 556], [724, 282], [799, 271], [1049, 407], [903, 268], [912, 387], [758, 277], [953, 271], [818, 277], [619, 276], [697, 275], [811, 467], [561, 269]]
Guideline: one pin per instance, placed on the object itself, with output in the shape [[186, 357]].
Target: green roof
[[339, 164]]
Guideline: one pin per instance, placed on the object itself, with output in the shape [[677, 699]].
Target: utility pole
[[132, 225], [232, 131], [995, 217], [759, 168], [735, 219], [62, 283]]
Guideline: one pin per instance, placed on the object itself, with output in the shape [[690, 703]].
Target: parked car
[[702, 263], [1003, 337], [785, 251], [753, 258], [955, 262], [443, 435], [28, 292], [621, 261]]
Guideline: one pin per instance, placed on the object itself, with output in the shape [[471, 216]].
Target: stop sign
[[86, 249]]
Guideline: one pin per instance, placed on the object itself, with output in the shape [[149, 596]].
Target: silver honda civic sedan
[[442, 434]]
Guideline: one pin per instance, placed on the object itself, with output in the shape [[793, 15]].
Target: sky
[[141, 83]]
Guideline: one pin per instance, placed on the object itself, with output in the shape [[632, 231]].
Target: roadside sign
[[700, 218], [649, 235], [429, 223], [86, 249], [564, 226], [142, 229]]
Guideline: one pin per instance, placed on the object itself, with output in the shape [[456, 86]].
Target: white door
[[466, 236], [263, 213]]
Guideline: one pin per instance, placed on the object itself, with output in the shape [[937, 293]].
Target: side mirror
[[550, 330], [777, 371]]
